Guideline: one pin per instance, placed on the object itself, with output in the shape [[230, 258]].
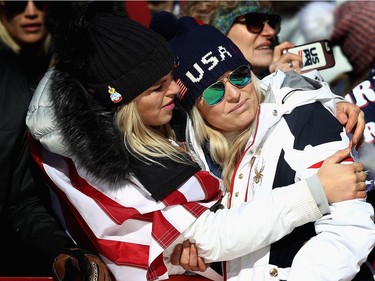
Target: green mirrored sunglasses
[[239, 77]]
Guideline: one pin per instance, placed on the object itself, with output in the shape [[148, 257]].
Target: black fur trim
[[97, 145], [89, 130]]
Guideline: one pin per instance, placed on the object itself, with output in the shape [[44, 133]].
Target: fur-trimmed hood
[[67, 121]]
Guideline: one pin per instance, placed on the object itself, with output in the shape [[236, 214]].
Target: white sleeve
[[345, 238], [231, 233]]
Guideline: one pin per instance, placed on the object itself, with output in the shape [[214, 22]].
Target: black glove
[[76, 264]]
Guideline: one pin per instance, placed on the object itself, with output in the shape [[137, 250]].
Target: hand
[[284, 61], [342, 181], [353, 118], [186, 256], [78, 264]]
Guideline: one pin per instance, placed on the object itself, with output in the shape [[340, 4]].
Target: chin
[[32, 39], [163, 121]]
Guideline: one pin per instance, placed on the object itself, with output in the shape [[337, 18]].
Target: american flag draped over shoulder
[[128, 229]]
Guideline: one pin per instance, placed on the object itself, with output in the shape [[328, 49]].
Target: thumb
[[338, 156], [343, 118]]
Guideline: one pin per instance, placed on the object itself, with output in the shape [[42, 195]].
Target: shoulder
[[313, 124], [40, 118]]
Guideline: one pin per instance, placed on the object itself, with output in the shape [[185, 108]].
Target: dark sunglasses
[[239, 77], [255, 21], [17, 7]]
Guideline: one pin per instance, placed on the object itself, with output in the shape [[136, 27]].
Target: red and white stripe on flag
[[128, 229]]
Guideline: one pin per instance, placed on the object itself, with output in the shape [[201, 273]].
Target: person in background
[[253, 27], [314, 22], [259, 150], [353, 29], [32, 239], [348, 17], [24, 37], [113, 159]]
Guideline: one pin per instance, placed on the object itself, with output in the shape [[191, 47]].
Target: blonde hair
[[144, 142], [225, 152]]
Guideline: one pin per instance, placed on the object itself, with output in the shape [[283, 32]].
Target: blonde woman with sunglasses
[[262, 138]]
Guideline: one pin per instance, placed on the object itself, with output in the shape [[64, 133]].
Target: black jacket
[[30, 235]]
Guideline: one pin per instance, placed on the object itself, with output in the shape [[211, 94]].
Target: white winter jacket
[[294, 134]]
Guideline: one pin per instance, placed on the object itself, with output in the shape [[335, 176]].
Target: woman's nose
[[31, 10], [268, 30], [174, 88], [232, 93]]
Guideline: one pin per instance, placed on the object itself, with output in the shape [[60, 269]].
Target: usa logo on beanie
[[204, 53]]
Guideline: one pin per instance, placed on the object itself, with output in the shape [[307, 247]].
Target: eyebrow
[[224, 75]]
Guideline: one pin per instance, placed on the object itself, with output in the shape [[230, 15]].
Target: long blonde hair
[[224, 151], [144, 142]]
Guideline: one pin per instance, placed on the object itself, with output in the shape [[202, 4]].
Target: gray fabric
[[317, 192], [295, 81]]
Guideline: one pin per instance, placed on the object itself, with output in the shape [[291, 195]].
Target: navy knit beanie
[[204, 54]]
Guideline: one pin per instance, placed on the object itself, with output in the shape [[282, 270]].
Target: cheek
[[10, 25], [215, 120], [212, 115], [265, 59], [218, 119], [235, 121], [156, 118], [238, 123], [242, 38], [151, 112], [146, 110]]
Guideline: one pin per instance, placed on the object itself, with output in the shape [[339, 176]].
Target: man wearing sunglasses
[[253, 28], [31, 238]]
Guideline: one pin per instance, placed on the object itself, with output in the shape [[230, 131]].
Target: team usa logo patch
[[115, 97]]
